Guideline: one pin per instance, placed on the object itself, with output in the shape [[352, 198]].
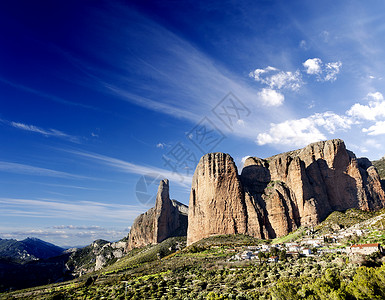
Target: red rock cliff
[[274, 196]]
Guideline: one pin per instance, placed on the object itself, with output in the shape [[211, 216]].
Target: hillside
[[380, 166], [207, 270], [341, 220]]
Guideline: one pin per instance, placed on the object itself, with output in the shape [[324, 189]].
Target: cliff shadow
[[255, 178], [332, 185]]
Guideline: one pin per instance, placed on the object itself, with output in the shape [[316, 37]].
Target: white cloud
[[242, 162], [45, 132], [271, 97], [160, 145], [244, 158], [376, 129], [303, 131], [276, 79], [324, 72], [287, 80], [331, 122], [331, 70], [316, 127], [377, 96], [75, 227], [373, 110], [292, 132], [313, 66]]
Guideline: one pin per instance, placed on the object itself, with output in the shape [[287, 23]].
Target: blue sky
[[99, 100]]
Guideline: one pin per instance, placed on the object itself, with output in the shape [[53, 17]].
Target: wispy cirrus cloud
[[45, 95], [18, 168], [46, 132], [127, 167], [72, 210], [76, 211]]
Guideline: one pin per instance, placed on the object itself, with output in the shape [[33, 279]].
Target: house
[[273, 259], [306, 251], [294, 248], [365, 249], [246, 255]]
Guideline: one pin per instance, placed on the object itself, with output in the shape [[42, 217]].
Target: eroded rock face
[[274, 196], [168, 218], [216, 199]]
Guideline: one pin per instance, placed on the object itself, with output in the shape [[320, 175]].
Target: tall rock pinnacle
[[168, 218]]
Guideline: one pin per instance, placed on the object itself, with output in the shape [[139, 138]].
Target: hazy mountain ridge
[[29, 249]]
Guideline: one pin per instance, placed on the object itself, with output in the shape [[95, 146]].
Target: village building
[[273, 259], [246, 255], [294, 248], [364, 249]]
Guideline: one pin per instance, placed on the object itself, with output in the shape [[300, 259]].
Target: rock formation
[[217, 200], [168, 218], [274, 196]]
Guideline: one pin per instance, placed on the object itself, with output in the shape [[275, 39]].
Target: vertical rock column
[[217, 203]]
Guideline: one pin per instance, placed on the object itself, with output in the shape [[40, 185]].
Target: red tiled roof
[[365, 245]]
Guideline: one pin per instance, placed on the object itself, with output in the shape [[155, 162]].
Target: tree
[[365, 285], [274, 251], [284, 290], [261, 256]]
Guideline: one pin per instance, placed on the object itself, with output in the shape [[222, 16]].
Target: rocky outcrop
[[217, 200], [274, 196], [167, 219]]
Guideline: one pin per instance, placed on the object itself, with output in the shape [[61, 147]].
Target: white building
[[365, 249]]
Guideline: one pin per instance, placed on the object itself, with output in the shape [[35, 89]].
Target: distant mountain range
[[33, 262], [27, 250]]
